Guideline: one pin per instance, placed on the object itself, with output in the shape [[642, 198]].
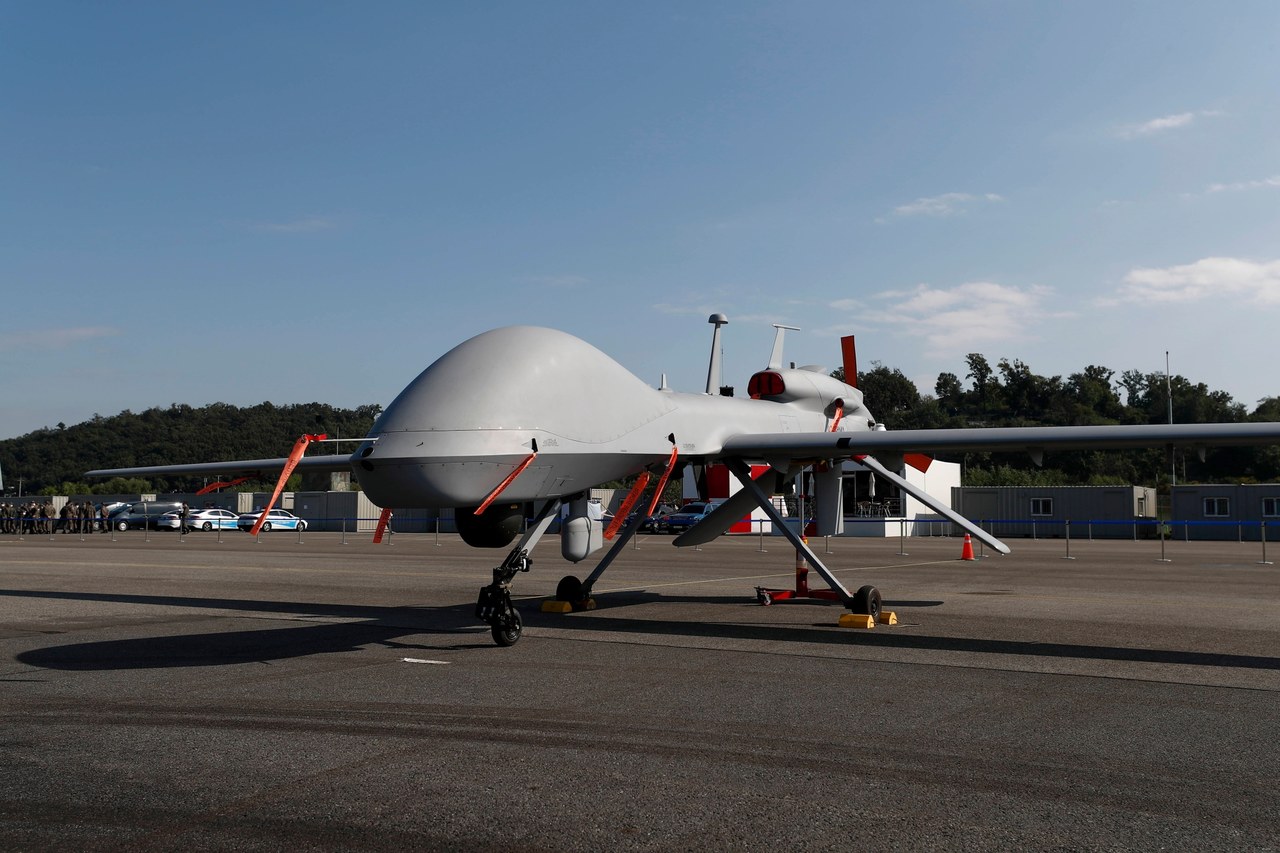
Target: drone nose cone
[[452, 469], [524, 377], [467, 420]]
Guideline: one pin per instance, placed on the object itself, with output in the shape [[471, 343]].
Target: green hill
[[53, 461]]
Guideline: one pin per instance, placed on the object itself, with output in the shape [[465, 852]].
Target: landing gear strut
[[494, 605]]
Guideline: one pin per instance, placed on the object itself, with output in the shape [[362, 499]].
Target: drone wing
[[785, 451], [837, 445], [339, 462]]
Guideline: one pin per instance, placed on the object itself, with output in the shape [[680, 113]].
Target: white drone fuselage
[[455, 432]]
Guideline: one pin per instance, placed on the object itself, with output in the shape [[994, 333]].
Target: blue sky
[[307, 201]]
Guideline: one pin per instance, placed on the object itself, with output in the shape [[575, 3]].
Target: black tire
[[507, 631], [867, 600], [266, 527], [302, 525], [570, 589], [208, 525], [122, 525]]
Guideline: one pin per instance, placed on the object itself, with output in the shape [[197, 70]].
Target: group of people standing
[[34, 517]]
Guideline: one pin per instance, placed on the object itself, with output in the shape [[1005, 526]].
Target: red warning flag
[[383, 521]]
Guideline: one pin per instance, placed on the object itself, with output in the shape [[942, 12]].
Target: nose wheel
[[506, 629], [494, 604]]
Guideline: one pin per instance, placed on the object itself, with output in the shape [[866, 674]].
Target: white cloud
[[947, 204], [847, 304], [1162, 124], [52, 339], [1272, 182], [965, 317], [1207, 278]]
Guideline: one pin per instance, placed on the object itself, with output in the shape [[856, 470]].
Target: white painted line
[[420, 660]]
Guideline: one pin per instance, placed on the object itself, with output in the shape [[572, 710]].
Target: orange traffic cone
[[967, 552]]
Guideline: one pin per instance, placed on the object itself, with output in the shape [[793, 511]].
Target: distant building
[[1099, 512], [1226, 511], [875, 507]]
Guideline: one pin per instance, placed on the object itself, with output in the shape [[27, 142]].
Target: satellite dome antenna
[[713, 369]]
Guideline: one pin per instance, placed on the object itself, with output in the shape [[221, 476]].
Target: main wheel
[[569, 589], [122, 525], [867, 600], [208, 525], [302, 525], [507, 630], [266, 527]]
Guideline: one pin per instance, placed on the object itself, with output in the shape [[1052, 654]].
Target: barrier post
[[902, 537], [1067, 529], [344, 530], [437, 530], [1161, 530], [1264, 561], [761, 531]]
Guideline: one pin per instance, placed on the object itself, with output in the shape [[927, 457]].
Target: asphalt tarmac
[[306, 693]]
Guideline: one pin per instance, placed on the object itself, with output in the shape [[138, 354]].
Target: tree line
[[1010, 394], [53, 460]]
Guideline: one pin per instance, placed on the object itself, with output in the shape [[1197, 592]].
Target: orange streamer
[[620, 517], [299, 448]]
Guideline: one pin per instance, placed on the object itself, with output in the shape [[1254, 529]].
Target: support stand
[[803, 552]]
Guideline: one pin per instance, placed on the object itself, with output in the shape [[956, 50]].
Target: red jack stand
[[769, 596]]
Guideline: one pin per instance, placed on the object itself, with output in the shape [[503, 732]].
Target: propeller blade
[[721, 518], [850, 359]]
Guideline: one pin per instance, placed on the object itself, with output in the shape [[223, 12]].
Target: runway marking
[[423, 660]]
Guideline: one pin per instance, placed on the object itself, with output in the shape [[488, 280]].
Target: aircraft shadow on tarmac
[[382, 626], [375, 626]]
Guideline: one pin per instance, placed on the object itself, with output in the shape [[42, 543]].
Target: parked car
[[142, 514], [171, 520], [687, 516], [655, 522], [277, 519], [214, 519], [200, 519]]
